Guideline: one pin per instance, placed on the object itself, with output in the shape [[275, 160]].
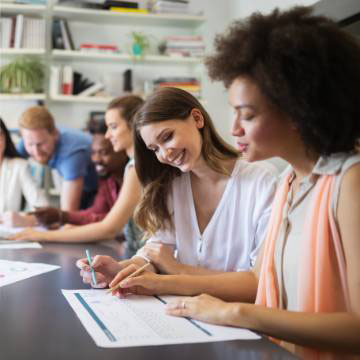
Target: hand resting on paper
[[203, 307]]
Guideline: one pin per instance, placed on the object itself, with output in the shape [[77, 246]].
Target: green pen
[[91, 268]]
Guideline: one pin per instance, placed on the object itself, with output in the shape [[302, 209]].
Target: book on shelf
[[67, 80], [55, 83], [189, 84], [99, 48], [128, 10], [57, 38], [92, 90], [66, 35], [19, 31], [5, 30], [123, 4]]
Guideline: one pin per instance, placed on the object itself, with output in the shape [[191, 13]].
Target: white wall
[[243, 8]]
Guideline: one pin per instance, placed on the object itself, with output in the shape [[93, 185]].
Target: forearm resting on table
[[85, 233], [324, 331], [234, 286]]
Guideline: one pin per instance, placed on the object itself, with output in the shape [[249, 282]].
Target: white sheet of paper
[[6, 231], [11, 244], [141, 321], [13, 271]]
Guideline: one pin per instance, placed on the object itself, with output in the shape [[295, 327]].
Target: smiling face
[[39, 143], [260, 130], [118, 131], [176, 143], [106, 161]]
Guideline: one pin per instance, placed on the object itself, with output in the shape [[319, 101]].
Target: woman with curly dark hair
[[294, 83]]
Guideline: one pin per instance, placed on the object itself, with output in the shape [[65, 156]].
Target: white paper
[[12, 244], [6, 231], [13, 271], [142, 321]]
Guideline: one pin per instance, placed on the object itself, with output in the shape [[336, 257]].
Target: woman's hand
[[162, 256], [203, 307], [14, 219], [146, 283], [105, 269], [29, 235]]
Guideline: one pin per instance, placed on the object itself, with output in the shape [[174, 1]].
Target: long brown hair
[[128, 105], [152, 212]]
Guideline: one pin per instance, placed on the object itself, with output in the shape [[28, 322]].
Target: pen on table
[[93, 276], [137, 272]]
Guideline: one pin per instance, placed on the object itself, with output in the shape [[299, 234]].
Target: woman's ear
[[198, 118]]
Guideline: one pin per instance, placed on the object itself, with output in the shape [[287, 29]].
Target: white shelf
[[22, 51], [86, 56], [82, 99], [22, 97], [106, 16], [21, 9]]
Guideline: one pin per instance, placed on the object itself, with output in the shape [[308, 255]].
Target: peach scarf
[[322, 269]]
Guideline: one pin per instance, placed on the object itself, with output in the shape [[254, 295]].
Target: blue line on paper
[[91, 312], [187, 318]]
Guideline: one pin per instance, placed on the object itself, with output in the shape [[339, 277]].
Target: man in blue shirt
[[66, 150]]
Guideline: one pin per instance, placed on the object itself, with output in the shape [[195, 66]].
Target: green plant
[[25, 74], [140, 43]]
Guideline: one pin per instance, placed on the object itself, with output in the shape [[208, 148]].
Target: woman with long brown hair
[[199, 197]]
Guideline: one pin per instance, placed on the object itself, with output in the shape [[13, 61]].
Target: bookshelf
[[26, 9], [105, 16], [36, 97], [22, 51], [81, 99], [101, 66], [125, 58]]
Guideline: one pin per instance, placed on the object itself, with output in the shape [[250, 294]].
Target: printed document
[[142, 321], [6, 231], [13, 271]]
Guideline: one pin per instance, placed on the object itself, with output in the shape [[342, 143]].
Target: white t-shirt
[[232, 238], [15, 181]]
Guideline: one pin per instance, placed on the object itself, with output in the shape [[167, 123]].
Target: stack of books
[[22, 32], [127, 7], [170, 6], [99, 48], [185, 46], [189, 84], [65, 81]]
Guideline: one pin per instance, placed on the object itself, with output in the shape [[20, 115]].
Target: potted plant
[[140, 44], [25, 74]]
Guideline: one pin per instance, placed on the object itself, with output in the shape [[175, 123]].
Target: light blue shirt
[[71, 157]]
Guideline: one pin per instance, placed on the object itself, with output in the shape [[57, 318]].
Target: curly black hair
[[303, 64]]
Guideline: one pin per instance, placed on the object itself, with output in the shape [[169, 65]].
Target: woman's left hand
[[29, 235], [203, 307], [14, 219]]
